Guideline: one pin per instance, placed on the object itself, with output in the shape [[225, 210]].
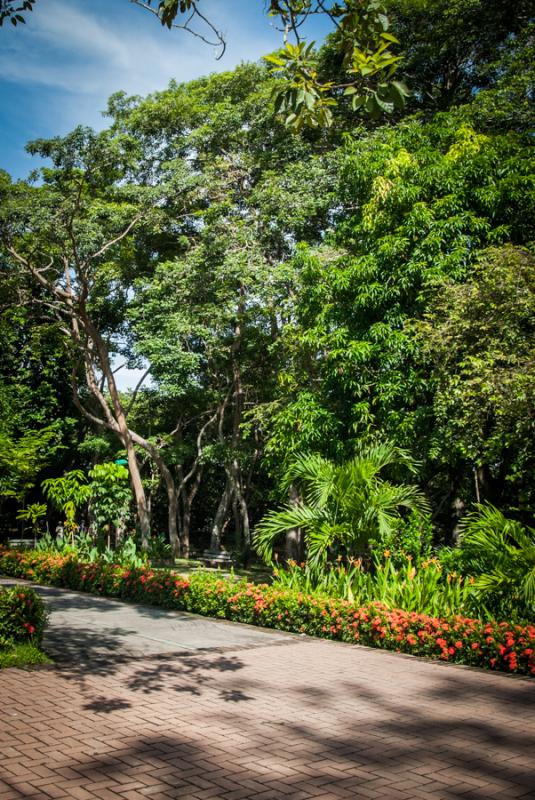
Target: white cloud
[[59, 69], [71, 49]]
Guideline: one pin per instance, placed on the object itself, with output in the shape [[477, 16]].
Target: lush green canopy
[[304, 290]]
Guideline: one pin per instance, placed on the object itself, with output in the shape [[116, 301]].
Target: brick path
[[288, 717]]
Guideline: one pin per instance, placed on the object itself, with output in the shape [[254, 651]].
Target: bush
[[493, 645], [22, 616]]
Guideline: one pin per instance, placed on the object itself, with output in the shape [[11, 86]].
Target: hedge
[[22, 616], [493, 645]]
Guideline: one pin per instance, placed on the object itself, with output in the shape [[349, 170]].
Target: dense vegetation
[[22, 622], [455, 638], [336, 321]]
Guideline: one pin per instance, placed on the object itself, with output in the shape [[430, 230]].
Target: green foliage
[[67, 494], [22, 459], [343, 506], [11, 10], [420, 202], [126, 554], [109, 495], [459, 639], [412, 538], [479, 338], [455, 48], [362, 41], [423, 590], [33, 513], [501, 554], [21, 656]]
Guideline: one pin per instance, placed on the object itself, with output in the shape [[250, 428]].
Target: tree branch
[[117, 239], [220, 41]]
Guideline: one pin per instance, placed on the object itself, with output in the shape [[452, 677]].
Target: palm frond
[[278, 523], [315, 475]]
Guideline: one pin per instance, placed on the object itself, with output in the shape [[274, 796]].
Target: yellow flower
[[386, 553]]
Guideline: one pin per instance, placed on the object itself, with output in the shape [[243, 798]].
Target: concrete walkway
[[144, 703]]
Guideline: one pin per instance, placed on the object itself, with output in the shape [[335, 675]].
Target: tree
[[206, 317], [37, 427], [455, 48], [62, 236], [479, 338], [344, 506], [67, 494], [109, 499], [417, 204]]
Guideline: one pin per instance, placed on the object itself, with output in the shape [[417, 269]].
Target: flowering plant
[[497, 645], [22, 615]]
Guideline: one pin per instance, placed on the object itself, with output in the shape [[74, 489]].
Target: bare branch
[[135, 392], [117, 239], [37, 273], [220, 41]]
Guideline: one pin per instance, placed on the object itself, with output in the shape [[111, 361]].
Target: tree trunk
[[119, 418], [221, 517], [234, 473], [293, 543], [170, 487], [187, 502]]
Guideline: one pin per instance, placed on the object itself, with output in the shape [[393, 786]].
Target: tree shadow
[[104, 705], [180, 673]]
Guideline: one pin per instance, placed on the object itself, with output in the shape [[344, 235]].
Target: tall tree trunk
[[118, 419], [170, 487], [234, 472], [221, 517], [187, 502], [293, 544]]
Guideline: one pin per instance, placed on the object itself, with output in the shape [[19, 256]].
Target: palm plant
[[503, 552], [344, 505]]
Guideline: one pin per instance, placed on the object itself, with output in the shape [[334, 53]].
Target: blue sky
[[58, 70]]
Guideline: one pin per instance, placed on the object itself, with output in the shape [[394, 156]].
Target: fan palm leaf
[[505, 550], [342, 504]]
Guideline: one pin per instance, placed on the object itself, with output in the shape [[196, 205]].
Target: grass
[[23, 655], [255, 573]]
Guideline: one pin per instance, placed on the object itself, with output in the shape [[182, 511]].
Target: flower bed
[[493, 645], [22, 616]]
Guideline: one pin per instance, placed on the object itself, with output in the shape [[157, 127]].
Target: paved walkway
[[153, 704]]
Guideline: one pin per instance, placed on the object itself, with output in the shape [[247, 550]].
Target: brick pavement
[[289, 718]]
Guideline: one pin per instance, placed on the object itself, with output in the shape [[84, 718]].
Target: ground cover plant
[[454, 638], [22, 622]]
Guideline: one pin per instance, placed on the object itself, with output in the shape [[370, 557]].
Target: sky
[[58, 69]]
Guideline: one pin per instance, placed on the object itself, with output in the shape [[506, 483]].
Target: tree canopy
[[286, 292]]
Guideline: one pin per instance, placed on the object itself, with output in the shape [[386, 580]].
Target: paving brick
[[295, 719]]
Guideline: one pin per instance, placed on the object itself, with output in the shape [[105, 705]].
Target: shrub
[[426, 589], [459, 639], [22, 616]]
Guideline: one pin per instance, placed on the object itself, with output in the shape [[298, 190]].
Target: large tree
[[69, 238]]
